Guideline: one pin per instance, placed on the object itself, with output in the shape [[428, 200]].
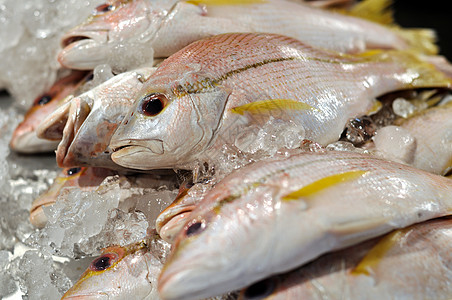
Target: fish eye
[[153, 104], [44, 99], [103, 262], [260, 289], [73, 171], [195, 228], [103, 8]]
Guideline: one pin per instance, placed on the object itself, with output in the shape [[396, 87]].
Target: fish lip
[[161, 223], [99, 295], [76, 36], [153, 146], [28, 142]]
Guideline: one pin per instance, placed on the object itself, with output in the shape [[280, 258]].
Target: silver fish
[[126, 34], [278, 214], [210, 92]]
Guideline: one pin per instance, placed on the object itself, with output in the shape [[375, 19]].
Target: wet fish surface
[[284, 212], [208, 94], [126, 34]]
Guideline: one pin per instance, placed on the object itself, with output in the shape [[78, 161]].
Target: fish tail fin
[[419, 73], [378, 11], [419, 39]]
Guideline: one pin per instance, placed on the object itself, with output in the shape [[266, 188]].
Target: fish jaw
[[86, 53], [131, 275], [28, 142], [99, 38]]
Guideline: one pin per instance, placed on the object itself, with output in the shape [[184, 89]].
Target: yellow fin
[[225, 2], [373, 10], [419, 39], [267, 106], [323, 183], [419, 73], [374, 256]]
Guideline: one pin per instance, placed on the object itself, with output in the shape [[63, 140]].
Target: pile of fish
[[310, 141]]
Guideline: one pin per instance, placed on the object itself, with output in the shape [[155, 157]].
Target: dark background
[[434, 14]]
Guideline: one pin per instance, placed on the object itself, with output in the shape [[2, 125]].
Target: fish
[[172, 219], [24, 138], [409, 263], [128, 272], [84, 178], [423, 140], [207, 94], [126, 34], [90, 120], [281, 213]]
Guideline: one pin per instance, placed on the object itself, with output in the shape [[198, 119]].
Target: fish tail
[[419, 39], [378, 11], [418, 72]]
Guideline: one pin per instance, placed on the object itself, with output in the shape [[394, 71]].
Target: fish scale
[[364, 198], [207, 80]]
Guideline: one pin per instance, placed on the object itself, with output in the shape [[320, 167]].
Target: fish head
[[171, 123], [91, 118], [128, 272], [199, 266], [85, 178], [172, 219], [24, 138], [103, 35]]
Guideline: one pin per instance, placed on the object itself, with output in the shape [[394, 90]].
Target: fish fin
[[268, 106], [355, 231], [373, 10], [377, 253], [225, 2], [423, 74], [51, 128], [419, 39], [323, 184]]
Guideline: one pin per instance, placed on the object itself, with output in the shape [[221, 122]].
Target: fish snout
[[84, 50], [77, 114], [37, 216], [130, 153]]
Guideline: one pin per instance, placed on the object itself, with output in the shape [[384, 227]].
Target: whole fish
[[423, 140], [171, 220], [126, 34], [24, 138], [410, 263], [278, 214], [90, 119], [128, 272], [84, 178], [208, 94]]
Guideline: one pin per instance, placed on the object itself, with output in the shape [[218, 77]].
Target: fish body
[[281, 213], [210, 92], [90, 120], [128, 272], [409, 263], [136, 31], [84, 178], [24, 138], [423, 140]]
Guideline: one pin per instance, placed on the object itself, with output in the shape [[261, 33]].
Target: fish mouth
[[84, 50], [169, 228], [95, 296], [37, 215], [28, 142], [131, 156], [77, 114]]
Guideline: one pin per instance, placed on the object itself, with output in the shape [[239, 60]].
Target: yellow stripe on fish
[[225, 2], [373, 10], [377, 253], [267, 106], [323, 184]]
